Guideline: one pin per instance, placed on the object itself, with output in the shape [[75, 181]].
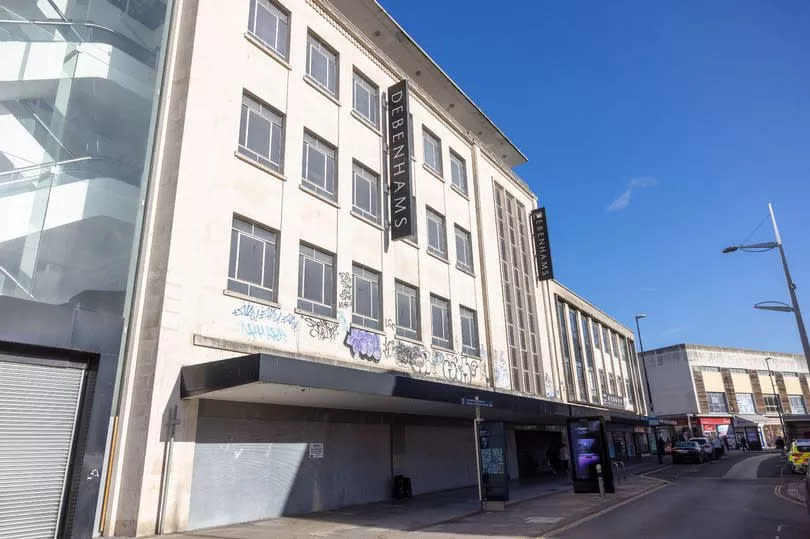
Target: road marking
[[779, 527], [656, 471], [777, 491], [606, 510], [543, 520]]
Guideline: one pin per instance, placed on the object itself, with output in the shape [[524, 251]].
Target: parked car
[[688, 452], [799, 455], [706, 445]]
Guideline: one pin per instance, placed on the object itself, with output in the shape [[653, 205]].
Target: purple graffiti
[[364, 343]]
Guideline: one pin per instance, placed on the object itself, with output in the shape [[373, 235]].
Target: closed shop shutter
[[38, 406]]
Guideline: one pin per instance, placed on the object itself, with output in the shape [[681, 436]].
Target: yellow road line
[[576, 523]]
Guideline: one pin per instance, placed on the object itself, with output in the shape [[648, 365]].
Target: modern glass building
[[79, 86]]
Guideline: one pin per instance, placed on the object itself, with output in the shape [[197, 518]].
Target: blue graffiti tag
[[268, 314], [364, 343], [263, 331]]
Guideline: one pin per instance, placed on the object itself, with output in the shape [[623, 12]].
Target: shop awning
[[273, 379], [753, 420]]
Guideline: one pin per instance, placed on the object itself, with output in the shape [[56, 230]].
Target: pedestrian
[[717, 447], [553, 458], [780, 444], [564, 457], [660, 449], [727, 443], [744, 444]]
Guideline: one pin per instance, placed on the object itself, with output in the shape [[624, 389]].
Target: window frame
[[444, 305], [274, 118], [284, 12], [233, 281], [413, 309], [793, 408], [374, 278], [716, 407], [471, 316], [428, 134], [456, 159], [368, 175], [753, 403], [771, 408], [322, 48], [374, 95], [443, 236], [321, 146], [332, 293], [467, 239]]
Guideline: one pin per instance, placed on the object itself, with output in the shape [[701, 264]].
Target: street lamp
[[644, 362], [777, 244], [778, 401]]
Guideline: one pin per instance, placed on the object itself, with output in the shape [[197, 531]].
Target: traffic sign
[[476, 402]]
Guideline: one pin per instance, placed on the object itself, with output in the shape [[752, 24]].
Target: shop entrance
[[533, 451]]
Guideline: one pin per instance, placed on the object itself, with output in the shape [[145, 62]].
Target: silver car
[[706, 445]]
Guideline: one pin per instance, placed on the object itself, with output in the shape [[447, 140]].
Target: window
[[605, 339], [322, 64], [366, 193], [464, 256], [366, 98], [269, 23], [578, 362], [253, 261], [771, 403], [437, 239], [319, 166], [433, 151], [710, 369], [596, 340], [316, 281], [458, 171], [365, 297], [566, 350], [469, 332], [745, 403], [260, 133], [407, 298], [717, 402], [440, 321], [797, 404], [603, 381]]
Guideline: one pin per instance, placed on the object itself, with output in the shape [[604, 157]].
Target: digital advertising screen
[[588, 447]]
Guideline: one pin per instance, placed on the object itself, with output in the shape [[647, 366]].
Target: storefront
[[714, 427], [798, 426], [629, 438]]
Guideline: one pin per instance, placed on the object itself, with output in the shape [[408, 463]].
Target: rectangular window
[[605, 339], [596, 340], [717, 402], [603, 381], [437, 236], [253, 260], [365, 297], [771, 403], [578, 362], [366, 100], [433, 151], [745, 403], [566, 350], [319, 166], [440, 321], [464, 256], [366, 193], [322, 64], [269, 23], [469, 332], [316, 281], [407, 298], [797, 404], [458, 171], [260, 133]]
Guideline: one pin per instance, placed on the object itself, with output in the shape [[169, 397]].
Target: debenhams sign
[[542, 246], [399, 162]]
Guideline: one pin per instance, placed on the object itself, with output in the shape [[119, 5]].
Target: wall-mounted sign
[[316, 450], [399, 162], [542, 245]]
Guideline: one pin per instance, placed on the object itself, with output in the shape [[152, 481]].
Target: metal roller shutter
[[38, 407]]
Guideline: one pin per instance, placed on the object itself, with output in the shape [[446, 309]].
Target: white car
[[706, 445]]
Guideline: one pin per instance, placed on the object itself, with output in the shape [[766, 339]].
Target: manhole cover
[[543, 520]]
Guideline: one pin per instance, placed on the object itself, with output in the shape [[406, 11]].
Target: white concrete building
[[728, 391], [280, 352]]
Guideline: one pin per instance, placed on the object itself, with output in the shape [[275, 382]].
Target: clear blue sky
[[701, 109]]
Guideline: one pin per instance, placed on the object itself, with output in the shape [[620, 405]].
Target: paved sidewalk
[[533, 510]]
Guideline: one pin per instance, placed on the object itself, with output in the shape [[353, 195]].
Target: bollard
[[601, 481]]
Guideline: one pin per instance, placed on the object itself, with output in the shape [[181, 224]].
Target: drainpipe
[[480, 230]]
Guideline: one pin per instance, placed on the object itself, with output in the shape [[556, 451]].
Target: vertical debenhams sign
[[399, 161], [542, 245]]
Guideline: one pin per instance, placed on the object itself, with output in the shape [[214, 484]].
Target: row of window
[[253, 271], [746, 404], [269, 23]]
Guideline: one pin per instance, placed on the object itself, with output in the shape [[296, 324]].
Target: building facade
[[731, 392], [264, 346]]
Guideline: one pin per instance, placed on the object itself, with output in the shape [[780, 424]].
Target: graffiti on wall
[[549, 386], [323, 330], [267, 323], [364, 343], [345, 295], [456, 368], [500, 371], [410, 355]]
